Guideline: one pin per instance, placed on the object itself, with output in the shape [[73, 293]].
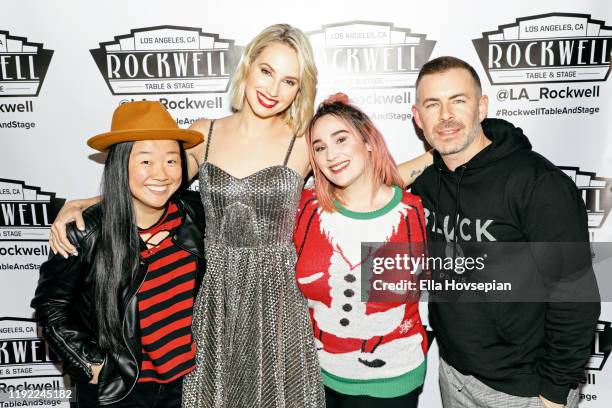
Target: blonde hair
[[301, 109]]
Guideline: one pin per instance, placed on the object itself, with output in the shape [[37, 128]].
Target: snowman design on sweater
[[355, 339]]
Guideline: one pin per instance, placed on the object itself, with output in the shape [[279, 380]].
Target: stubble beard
[[458, 147]]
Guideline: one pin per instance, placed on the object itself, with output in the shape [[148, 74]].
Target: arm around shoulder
[[72, 211], [411, 169]]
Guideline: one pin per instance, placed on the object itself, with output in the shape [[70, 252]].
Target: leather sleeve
[[58, 283]]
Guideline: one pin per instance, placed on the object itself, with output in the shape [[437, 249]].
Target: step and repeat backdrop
[[65, 66]]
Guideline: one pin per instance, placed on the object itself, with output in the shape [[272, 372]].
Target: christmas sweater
[[365, 348]]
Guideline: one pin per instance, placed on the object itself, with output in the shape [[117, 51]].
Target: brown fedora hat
[[143, 120]]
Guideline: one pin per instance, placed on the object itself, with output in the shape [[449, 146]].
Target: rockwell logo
[[167, 60], [362, 54], [596, 193], [23, 66], [23, 353], [26, 212], [602, 345], [186, 103], [554, 47]]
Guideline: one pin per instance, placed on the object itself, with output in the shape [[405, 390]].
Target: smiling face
[[449, 109], [273, 80], [339, 152], [155, 174]]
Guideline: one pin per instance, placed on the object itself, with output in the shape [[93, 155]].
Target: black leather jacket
[[64, 306]]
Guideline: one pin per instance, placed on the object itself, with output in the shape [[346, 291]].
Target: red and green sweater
[[365, 348]]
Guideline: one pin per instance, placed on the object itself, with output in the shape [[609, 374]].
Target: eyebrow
[[148, 152], [452, 97], [336, 133], [273, 70]]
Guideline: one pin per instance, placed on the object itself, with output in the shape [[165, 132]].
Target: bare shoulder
[[203, 126], [301, 146], [196, 153], [299, 156]]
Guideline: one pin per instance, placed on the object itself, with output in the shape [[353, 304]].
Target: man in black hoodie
[[487, 185]]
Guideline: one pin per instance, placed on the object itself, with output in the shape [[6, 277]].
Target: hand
[[95, 369], [71, 211], [550, 404]]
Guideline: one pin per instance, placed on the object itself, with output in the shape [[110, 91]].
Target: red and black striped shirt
[[165, 303]]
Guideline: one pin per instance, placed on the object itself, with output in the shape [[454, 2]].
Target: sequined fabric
[[254, 339]]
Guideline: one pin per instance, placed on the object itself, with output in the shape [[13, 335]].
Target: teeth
[[158, 188], [266, 100], [339, 166]]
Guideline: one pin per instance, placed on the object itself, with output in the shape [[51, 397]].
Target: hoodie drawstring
[[456, 215], [435, 219]]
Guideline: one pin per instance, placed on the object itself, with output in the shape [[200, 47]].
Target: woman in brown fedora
[[251, 323], [119, 313]]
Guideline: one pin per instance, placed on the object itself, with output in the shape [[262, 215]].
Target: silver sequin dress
[[254, 338]]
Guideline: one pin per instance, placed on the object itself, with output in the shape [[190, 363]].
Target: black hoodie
[[509, 193]]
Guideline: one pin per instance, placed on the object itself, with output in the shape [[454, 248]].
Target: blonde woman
[[251, 323]]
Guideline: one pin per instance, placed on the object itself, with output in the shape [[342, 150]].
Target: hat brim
[[103, 141]]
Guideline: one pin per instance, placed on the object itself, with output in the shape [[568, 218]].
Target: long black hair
[[118, 250]]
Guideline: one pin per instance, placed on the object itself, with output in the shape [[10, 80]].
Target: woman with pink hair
[[371, 348]]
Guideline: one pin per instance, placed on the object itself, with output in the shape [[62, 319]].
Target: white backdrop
[[545, 66]]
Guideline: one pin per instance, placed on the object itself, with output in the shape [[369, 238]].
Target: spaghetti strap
[[210, 129], [289, 151]]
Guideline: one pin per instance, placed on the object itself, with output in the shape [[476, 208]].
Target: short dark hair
[[445, 63]]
